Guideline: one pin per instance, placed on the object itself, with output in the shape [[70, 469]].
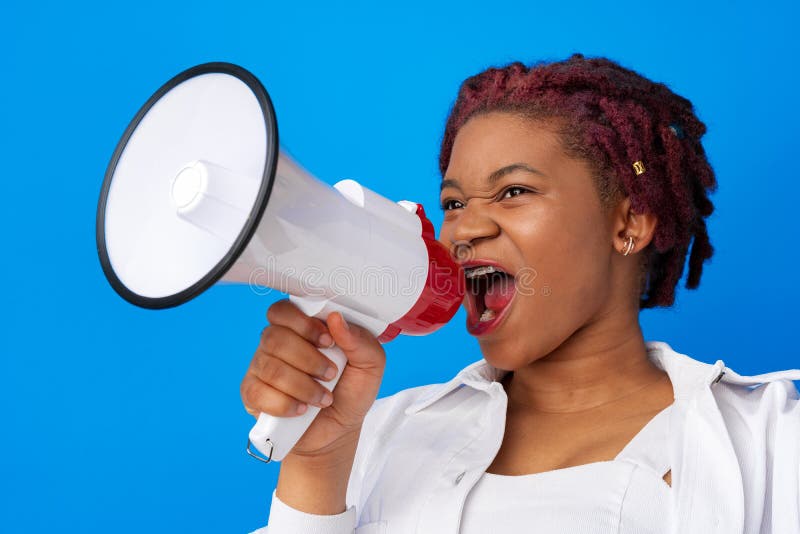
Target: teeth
[[487, 315], [480, 271]]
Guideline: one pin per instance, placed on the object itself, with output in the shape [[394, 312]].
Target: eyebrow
[[495, 176]]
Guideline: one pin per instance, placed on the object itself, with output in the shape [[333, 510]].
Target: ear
[[626, 222]]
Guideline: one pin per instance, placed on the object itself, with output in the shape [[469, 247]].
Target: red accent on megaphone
[[442, 295]]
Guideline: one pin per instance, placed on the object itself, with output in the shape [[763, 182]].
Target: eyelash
[[446, 203]]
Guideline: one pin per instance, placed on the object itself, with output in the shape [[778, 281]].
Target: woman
[[586, 185]]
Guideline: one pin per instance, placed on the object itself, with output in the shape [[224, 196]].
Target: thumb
[[362, 348]]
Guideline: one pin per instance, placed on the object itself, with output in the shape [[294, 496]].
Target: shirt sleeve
[[283, 519]]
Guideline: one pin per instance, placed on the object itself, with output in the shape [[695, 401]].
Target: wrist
[[311, 489], [317, 484]]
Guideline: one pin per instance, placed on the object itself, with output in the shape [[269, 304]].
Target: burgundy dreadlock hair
[[611, 117]]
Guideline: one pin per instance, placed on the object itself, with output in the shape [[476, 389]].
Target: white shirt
[[627, 495], [733, 447]]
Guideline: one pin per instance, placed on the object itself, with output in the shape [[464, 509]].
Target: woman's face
[[514, 199]]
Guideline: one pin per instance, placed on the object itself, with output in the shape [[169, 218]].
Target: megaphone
[[198, 191]]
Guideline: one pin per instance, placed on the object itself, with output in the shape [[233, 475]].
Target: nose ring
[[462, 250]]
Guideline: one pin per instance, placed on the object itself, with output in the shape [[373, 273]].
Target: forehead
[[490, 141]]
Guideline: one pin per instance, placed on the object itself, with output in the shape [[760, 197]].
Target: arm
[[313, 480], [311, 492]]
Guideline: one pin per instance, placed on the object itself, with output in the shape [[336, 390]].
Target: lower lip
[[476, 327]]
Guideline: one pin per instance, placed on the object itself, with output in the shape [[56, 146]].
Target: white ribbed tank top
[[626, 495]]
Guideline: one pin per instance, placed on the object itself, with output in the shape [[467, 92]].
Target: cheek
[[562, 297], [569, 270]]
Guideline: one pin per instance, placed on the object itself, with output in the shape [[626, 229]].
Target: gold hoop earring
[[628, 246]]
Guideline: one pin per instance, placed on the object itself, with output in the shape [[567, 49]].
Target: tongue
[[499, 291]]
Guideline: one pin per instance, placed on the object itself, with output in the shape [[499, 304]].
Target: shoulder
[[757, 399], [762, 418], [761, 400]]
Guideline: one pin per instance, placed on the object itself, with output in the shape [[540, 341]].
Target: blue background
[[120, 419]]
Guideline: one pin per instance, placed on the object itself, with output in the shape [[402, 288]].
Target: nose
[[472, 226]]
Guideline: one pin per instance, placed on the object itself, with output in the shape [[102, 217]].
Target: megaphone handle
[[274, 437]]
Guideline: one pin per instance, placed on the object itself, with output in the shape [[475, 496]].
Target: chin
[[501, 358], [511, 353]]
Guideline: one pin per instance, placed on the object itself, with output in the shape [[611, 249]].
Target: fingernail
[[330, 373], [301, 408], [327, 399], [325, 341], [344, 321]]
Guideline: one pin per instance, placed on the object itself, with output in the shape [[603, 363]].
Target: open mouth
[[490, 291]]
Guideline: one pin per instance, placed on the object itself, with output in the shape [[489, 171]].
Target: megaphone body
[[198, 191]]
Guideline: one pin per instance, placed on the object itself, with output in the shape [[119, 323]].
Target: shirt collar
[[686, 374]]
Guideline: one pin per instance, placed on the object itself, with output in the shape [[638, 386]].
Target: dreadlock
[[612, 117]]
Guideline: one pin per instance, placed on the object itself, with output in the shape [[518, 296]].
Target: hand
[[280, 380]]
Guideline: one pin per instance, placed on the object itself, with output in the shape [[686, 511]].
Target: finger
[[287, 345], [285, 313], [283, 377], [263, 398], [362, 349]]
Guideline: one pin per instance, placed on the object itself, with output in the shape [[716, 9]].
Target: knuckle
[[271, 369], [372, 341], [272, 343], [317, 327], [247, 392], [258, 398], [267, 332], [277, 309]]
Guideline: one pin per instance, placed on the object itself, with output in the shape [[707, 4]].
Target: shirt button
[[459, 477]]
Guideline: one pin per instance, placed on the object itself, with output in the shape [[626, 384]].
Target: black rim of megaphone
[[253, 220]]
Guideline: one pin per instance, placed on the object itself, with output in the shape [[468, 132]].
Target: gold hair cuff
[[638, 167]]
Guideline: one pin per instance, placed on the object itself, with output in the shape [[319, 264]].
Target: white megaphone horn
[[198, 191]]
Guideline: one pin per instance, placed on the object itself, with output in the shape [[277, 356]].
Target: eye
[[451, 204], [513, 191]]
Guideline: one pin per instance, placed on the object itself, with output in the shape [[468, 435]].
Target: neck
[[584, 374]]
